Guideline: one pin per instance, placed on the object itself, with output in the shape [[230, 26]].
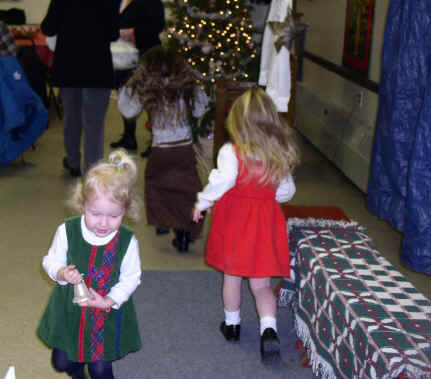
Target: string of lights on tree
[[215, 36]]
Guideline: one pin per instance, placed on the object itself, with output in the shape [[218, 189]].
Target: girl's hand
[[69, 274], [197, 214], [97, 301]]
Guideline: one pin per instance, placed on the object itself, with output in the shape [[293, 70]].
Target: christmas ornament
[[287, 31], [206, 49]]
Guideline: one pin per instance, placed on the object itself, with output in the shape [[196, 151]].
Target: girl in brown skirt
[[166, 86]]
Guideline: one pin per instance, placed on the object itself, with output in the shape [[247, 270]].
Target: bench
[[356, 314]]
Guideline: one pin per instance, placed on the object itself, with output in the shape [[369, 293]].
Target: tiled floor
[[33, 191]]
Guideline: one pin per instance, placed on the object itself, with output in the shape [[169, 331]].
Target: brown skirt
[[171, 185]]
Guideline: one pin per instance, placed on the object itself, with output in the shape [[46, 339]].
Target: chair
[[33, 52], [47, 57], [34, 69], [226, 92], [53, 97]]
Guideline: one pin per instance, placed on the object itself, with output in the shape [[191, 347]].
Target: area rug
[[327, 212], [179, 315], [357, 315]]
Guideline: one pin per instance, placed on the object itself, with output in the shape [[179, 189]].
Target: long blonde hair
[[265, 142], [115, 178]]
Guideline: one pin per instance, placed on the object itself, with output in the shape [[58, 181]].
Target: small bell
[[81, 292]]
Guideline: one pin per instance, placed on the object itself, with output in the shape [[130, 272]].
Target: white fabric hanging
[[275, 67], [10, 373]]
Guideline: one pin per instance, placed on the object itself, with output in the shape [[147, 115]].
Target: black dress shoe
[[230, 332], [160, 231], [126, 142], [75, 172], [181, 240], [270, 347], [146, 153]]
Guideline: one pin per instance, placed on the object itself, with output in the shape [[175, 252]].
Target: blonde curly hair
[[116, 178]]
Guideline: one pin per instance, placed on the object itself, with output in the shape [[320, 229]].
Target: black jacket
[[84, 30], [147, 18]]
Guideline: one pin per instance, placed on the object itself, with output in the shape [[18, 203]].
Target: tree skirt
[[356, 314]]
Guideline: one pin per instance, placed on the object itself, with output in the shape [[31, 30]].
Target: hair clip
[[117, 161]]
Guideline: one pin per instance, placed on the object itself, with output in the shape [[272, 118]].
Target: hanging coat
[[275, 66], [399, 188], [23, 117]]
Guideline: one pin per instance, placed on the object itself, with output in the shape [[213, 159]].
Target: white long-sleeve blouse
[[223, 178], [130, 269]]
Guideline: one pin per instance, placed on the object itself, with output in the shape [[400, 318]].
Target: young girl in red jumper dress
[[248, 236]]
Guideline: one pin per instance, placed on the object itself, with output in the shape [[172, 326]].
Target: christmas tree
[[215, 36]]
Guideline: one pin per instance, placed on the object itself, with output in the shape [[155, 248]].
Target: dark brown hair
[[162, 78]]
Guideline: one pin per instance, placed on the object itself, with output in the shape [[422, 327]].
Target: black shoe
[[181, 240], [270, 347], [146, 153], [160, 231], [127, 142], [75, 172], [230, 332]]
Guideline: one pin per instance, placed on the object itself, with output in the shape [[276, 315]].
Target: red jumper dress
[[248, 236]]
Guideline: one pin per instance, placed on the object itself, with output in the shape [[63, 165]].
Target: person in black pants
[[147, 18], [84, 72]]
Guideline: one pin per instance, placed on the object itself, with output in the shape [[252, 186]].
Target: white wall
[[327, 109], [35, 10]]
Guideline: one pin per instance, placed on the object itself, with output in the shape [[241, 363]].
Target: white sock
[[232, 318], [268, 322]]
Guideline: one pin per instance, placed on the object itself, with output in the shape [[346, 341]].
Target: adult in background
[[83, 70], [147, 18]]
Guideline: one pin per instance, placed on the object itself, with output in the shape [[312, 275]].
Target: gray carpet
[[179, 314]]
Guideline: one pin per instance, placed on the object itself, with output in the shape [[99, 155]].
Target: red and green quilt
[[357, 314]]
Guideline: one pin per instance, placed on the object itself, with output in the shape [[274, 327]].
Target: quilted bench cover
[[357, 315]]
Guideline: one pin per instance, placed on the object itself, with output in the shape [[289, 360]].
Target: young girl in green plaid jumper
[[95, 247]]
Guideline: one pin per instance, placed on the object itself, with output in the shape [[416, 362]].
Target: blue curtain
[[399, 189]]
